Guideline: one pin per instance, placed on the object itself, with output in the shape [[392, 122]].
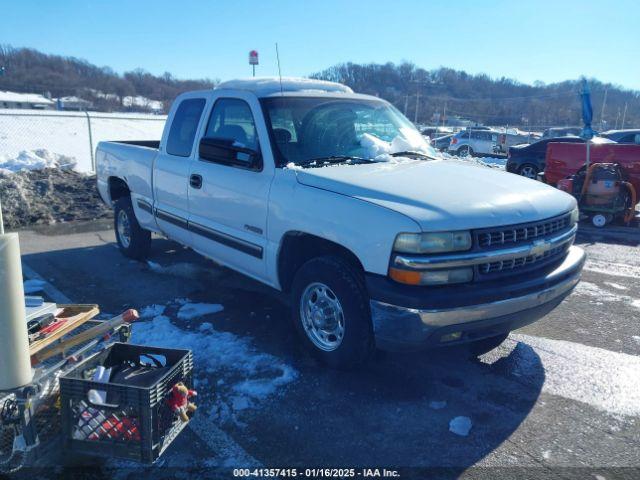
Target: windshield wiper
[[333, 159], [412, 153]]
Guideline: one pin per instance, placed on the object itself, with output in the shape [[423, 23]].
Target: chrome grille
[[522, 233], [522, 262]]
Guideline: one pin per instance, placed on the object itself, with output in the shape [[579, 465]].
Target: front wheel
[[133, 241], [330, 310]]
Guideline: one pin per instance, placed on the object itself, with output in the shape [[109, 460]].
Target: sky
[[547, 40]]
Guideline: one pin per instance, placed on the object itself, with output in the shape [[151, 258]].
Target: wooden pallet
[[74, 316]]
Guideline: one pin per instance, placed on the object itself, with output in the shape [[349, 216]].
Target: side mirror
[[227, 151]]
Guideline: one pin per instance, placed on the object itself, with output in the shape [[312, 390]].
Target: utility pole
[[406, 104], [604, 102], [444, 113], [415, 118], [624, 115]]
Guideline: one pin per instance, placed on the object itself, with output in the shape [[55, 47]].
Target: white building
[[31, 101], [73, 103]]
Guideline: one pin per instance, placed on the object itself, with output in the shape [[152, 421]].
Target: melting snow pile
[[460, 426], [35, 160], [31, 196], [408, 141], [229, 367]]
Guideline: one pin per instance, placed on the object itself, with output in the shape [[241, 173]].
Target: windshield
[[304, 129]]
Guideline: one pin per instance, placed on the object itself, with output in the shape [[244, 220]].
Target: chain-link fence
[[72, 136]]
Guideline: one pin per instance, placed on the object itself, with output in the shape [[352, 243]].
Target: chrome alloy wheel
[[124, 229], [529, 172], [322, 316]]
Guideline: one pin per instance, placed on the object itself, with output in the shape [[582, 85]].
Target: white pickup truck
[[336, 199]]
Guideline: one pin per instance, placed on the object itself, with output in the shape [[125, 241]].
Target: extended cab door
[[228, 202], [173, 165]]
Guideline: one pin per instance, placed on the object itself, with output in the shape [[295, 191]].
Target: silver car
[[474, 142]]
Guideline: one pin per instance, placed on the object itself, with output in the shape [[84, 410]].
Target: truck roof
[[267, 86]]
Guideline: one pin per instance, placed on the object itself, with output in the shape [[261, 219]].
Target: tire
[[317, 285], [480, 347], [465, 151], [133, 241], [529, 171]]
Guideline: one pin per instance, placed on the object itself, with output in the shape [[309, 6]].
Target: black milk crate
[[135, 422]]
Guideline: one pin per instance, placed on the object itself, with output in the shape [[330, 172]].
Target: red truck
[[566, 159]]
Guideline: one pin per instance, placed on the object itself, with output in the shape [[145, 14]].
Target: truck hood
[[443, 194]]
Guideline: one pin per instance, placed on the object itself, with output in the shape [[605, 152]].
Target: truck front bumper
[[414, 318]]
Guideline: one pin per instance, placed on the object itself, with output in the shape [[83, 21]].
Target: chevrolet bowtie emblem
[[539, 247]]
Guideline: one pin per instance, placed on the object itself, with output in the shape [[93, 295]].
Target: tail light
[[454, 140]]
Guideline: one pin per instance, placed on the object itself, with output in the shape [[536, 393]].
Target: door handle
[[195, 181]]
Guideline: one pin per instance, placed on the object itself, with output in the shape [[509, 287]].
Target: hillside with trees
[[27, 70], [425, 96], [480, 98]]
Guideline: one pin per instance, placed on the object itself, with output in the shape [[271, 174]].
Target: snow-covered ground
[[67, 134], [246, 376]]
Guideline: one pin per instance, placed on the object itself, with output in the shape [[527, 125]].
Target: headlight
[[432, 277], [575, 216], [432, 242]]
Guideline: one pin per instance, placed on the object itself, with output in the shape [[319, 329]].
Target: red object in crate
[[115, 428]]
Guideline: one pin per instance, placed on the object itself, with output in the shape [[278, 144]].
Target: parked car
[[434, 132], [476, 141], [623, 136], [372, 251], [442, 143], [562, 132], [529, 159], [509, 139]]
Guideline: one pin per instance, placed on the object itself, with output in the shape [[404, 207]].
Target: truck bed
[[130, 159]]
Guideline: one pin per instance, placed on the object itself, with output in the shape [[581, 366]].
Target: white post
[[15, 362], [1, 221], [93, 166]]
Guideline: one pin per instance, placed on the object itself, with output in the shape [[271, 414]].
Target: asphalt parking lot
[[560, 397]]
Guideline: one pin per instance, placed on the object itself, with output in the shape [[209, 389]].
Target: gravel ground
[[49, 196]]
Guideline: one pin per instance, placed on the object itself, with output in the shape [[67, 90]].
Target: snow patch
[[592, 290], [33, 286], [190, 311], [152, 311], [460, 426], [35, 160], [612, 268], [601, 378], [243, 376], [617, 286]]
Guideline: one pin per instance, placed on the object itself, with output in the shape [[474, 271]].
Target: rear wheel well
[[298, 247], [118, 188]]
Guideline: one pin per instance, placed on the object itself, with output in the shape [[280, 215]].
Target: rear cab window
[[184, 127]]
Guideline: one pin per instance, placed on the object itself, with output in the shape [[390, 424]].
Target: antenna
[[279, 71]]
